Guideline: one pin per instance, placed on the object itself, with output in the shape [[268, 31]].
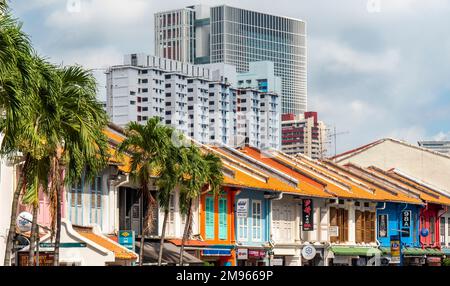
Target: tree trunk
[[58, 214], [186, 232], [14, 207], [34, 233], [144, 228], [163, 235]]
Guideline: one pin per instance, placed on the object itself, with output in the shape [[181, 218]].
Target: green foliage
[[446, 262]]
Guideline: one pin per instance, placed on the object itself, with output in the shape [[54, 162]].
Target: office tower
[[303, 134], [438, 146], [238, 37]]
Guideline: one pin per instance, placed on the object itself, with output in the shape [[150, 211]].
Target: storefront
[[218, 255], [82, 246], [252, 257], [352, 256], [285, 255]]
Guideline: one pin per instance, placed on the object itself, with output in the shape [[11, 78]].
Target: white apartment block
[[197, 100]]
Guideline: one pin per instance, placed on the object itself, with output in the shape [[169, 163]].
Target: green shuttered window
[[209, 217], [223, 227]]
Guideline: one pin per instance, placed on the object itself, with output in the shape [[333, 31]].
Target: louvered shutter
[[209, 217], [223, 218], [345, 226], [359, 219], [334, 222]]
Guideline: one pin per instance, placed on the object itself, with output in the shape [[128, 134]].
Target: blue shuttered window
[[209, 217], [223, 226]]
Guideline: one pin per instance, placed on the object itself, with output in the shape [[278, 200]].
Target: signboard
[[307, 215], [309, 252], [46, 258], [242, 253], [382, 225], [406, 223], [256, 254], [23, 221], [333, 230], [242, 208], [395, 249], [63, 245], [126, 239]]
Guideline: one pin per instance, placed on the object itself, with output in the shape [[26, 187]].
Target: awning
[[354, 251], [446, 251], [216, 252], [416, 251], [171, 254]]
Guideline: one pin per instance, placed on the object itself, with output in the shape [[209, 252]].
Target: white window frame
[[243, 228], [256, 217]]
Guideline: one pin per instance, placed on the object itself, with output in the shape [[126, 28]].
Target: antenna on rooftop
[[334, 135]]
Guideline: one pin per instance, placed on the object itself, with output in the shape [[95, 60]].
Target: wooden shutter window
[[209, 217], [333, 222], [359, 223], [223, 218], [345, 225]]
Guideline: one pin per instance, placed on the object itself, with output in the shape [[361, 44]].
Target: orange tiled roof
[[307, 186], [119, 252]]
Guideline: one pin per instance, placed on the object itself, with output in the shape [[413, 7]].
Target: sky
[[376, 68]]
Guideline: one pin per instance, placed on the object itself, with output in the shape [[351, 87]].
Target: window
[[223, 225], [242, 227], [442, 230], [256, 221], [339, 218], [365, 226], [209, 217], [448, 231], [77, 190], [171, 218], [96, 200]]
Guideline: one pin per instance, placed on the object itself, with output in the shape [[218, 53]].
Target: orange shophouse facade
[[217, 227]]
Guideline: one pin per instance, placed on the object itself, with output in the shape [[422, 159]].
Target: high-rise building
[[224, 34], [198, 100], [438, 146], [303, 134]]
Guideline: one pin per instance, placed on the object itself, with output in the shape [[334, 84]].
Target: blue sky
[[376, 68]]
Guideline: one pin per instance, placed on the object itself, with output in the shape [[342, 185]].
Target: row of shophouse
[[274, 209]]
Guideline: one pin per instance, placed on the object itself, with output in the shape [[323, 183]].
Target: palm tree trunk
[[141, 245], [163, 236], [34, 233], [14, 207], [58, 213], [186, 232]]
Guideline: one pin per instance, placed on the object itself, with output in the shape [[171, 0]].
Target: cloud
[[442, 136]]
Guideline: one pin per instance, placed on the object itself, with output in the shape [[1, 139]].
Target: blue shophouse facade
[[398, 219], [252, 218]]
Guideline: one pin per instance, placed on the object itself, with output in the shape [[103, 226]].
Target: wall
[[393, 210], [429, 167], [7, 183]]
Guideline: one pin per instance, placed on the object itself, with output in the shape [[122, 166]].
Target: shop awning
[[416, 251], [171, 254], [216, 252], [354, 251], [446, 251]]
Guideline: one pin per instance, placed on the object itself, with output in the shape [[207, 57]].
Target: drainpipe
[[115, 184]]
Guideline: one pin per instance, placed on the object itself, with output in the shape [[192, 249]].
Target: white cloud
[[441, 136]]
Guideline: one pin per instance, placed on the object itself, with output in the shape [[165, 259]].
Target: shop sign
[[433, 260], [307, 215], [333, 230], [63, 245], [395, 249], [406, 223], [382, 225], [276, 262], [309, 252], [258, 254], [242, 253], [126, 239], [46, 258], [242, 208]]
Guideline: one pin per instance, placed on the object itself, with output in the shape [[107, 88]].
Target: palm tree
[[168, 180], [202, 174], [148, 147], [16, 84]]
